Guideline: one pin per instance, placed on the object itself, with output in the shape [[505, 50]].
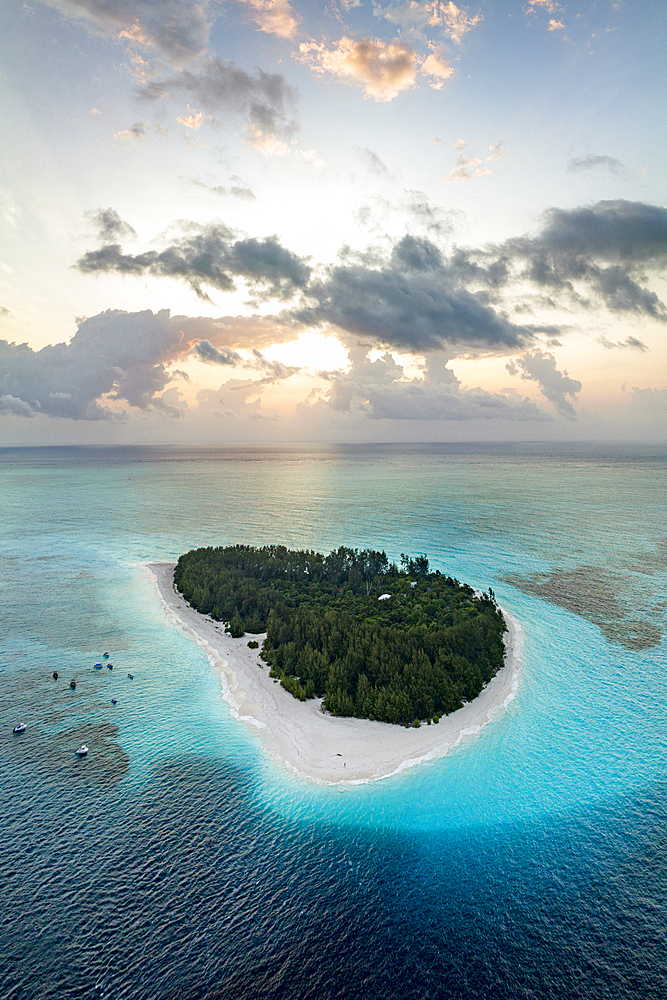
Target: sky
[[365, 220]]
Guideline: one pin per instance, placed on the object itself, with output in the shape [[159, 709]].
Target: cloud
[[591, 162], [382, 69], [275, 17], [419, 17], [224, 89], [127, 358], [205, 351], [109, 224], [237, 190], [265, 143], [554, 385], [121, 355], [413, 300], [468, 166], [630, 342], [548, 5], [607, 248], [436, 65], [555, 25], [379, 390], [209, 255], [193, 121], [178, 30], [134, 132]]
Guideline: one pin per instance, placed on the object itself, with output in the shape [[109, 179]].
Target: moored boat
[[20, 727], [82, 751]]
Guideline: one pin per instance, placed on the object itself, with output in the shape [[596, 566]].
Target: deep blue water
[[177, 862]]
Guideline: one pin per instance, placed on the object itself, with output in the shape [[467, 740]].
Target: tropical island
[[371, 639]]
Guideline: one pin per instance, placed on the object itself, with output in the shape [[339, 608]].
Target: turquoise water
[[572, 540]]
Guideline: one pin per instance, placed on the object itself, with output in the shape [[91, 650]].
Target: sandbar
[[320, 747]]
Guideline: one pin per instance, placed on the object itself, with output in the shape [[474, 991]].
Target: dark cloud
[[606, 249], [591, 162], [209, 255], [631, 342], [178, 29], [204, 350], [224, 89], [109, 224], [554, 385], [414, 300]]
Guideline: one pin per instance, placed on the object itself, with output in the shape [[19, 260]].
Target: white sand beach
[[319, 747]]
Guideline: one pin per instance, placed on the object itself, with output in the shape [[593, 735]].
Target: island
[[348, 667], [372, 639]]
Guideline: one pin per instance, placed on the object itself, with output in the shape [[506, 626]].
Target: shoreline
[[322, 748]]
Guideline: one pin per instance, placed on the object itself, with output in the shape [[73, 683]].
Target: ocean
[[177, 861]]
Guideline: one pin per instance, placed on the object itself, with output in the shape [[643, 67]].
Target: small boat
[[110, 666], [105, 656], [82, 751], [55, 675], [98, 666], [72, 684], [113, 701], [131, 676], [19, 728]]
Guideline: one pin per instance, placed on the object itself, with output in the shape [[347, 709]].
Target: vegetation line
[[373, 639]]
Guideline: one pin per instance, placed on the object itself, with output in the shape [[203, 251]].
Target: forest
[[372, 638]]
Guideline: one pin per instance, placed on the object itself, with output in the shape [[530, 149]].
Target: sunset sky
[[265, 220]]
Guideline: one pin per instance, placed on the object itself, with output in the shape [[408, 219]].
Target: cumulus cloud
[[554, 385], [118, 359], [224, 89], [275, 17], [209, 255], [592, 162], [120, 355], [382, 69], [379, 390]]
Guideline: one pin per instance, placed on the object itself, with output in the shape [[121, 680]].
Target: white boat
[[82, 751], [19, 728]]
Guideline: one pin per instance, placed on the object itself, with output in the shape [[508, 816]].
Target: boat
[[110, 666], [98, 666], [20, 727], [131, 676], [113, 701], [72, 684], [105, 656], [82, 751], [55, 675]]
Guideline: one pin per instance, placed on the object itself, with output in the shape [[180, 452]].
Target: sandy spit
[[319, 747]]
